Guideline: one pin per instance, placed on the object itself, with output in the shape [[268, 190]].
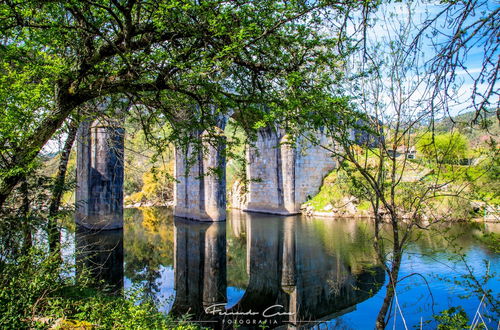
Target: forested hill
[[463, 122]]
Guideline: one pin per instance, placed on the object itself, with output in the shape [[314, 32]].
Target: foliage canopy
[[185, 62]]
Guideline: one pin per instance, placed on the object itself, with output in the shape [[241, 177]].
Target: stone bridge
[[280, 177]]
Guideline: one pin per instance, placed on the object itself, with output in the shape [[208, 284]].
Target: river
[[256, 269]]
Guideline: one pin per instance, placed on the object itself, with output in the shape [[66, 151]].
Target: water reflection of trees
[[349, 240], [445, 237], [149, 245], [352, 239], [237, 273]]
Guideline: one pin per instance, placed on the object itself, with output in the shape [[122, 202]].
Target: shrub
[[453, 318], [443, 148], [34, 294]]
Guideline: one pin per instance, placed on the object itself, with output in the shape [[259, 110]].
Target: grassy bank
[[467, 191]]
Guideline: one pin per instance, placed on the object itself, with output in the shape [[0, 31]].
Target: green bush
[[443, 148], [455, 318], [34, 294], [452, 319], [111, 312], [25, 284], [157, 187]]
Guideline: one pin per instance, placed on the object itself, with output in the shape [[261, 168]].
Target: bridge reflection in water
[[100, 255], [296, 272], [292, 278]]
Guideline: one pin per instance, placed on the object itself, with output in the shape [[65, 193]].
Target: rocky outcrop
[[347, 207], [238, 195]]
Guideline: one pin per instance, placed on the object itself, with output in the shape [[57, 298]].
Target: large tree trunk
[[58, 189], [66, 101]]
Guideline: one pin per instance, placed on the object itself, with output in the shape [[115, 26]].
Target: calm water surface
[[305, 271]]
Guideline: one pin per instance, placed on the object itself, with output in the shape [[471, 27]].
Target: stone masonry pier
[[200, 171], [99, 192], [280, 176]]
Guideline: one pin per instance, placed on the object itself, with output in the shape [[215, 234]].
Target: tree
[[392, 97], [443, 148], [454, 31], [58, 55], [59, 187]]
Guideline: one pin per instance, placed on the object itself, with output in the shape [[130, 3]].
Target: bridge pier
[[99, 192], [200, 171], [282, 176], [270, 174]]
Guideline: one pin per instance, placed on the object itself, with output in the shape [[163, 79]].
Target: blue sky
[[473, 59], [390, 19]]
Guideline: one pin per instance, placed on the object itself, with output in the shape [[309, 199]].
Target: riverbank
[[349, 210], [169, 203], [352, 212]]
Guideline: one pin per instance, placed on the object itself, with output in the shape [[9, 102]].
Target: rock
[[351, 209], [238, 196], [329, 207], [309, 210]]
